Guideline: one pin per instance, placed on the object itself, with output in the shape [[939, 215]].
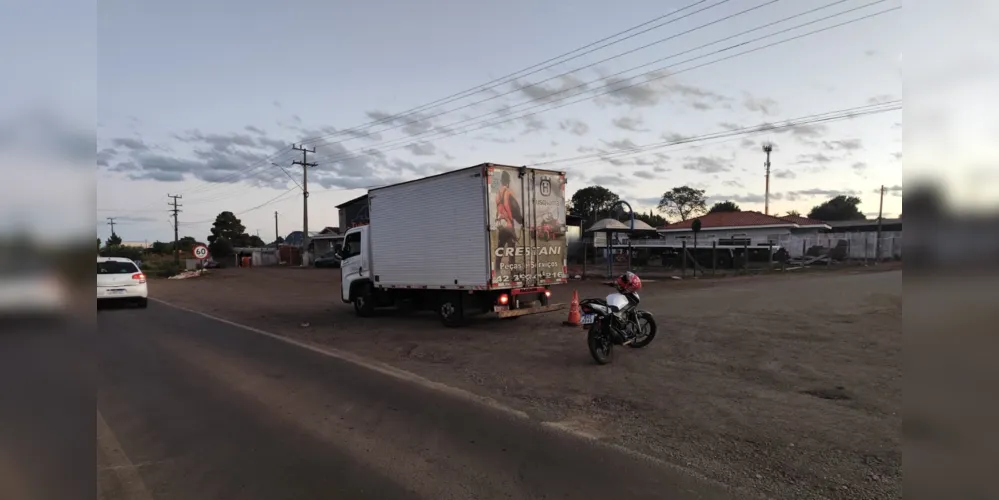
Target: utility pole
[[305, 164], [111, 223], [877, 244], [176, 222], [276, 233], [767, 148]]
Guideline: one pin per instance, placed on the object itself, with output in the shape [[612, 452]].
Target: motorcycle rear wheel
[[645, 340], [601, 347]]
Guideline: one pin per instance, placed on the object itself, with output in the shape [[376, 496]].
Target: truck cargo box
[[483, 227]]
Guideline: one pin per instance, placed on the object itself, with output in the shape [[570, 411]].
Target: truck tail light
[[141, 278], [548, 293], [504, 299]]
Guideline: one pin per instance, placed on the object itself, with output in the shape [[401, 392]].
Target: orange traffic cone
[[573, 311]]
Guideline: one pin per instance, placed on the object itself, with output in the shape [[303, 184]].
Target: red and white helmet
[[628, 282]]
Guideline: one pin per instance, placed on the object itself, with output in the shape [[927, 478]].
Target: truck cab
[[355, 264]]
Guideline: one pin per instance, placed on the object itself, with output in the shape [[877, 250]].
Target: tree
[[793, 213], [113, 240], [841, 207], [279, 240], [682, 202], [98, 245], [221, 249], [228, 227], [590, 201], [724, 206], [161, 247], [255, 241], [654, 220]]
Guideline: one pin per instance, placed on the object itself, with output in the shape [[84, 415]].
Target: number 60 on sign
[[201, 252]]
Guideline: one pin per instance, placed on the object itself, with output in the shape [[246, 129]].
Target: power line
[[111, 223], [548, 63], [653, 77], [566, 73], [248, 210], [829, 116]]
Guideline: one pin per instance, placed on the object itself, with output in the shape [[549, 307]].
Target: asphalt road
[[193, 408]]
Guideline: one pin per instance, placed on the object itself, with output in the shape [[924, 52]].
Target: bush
[[164, 269], [131, 253]]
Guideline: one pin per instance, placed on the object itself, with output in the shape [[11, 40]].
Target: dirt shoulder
[[788, 385]]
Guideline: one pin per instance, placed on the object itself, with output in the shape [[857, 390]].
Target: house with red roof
[[738, 228]]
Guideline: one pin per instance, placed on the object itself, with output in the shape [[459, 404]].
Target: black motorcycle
[[616, 320]]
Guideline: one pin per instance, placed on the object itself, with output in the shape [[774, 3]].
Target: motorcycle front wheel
[[647, 330], [601, 347]]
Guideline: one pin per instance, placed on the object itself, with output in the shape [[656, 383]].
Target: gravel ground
[[788, 386]]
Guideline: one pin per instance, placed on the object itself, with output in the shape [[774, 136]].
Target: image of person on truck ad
[[508, 215]]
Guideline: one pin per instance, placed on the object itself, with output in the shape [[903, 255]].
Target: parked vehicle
[[617, 320], [460, 243], [119, 279], [30, 287], [328, 259]]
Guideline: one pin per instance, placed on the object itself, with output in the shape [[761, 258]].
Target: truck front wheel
[[364, 301], [450, 310]]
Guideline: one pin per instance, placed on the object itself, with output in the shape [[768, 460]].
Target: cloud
[[645, 174], [817, 158], [498, 140], [870, 52], [129, 143], [563, 87], [804, 133], [732, 183], [105, 157], [859, 166], [660, 169], [411, 123], [817, 192], [609, 180], [645, 162], [747, 143], [633, 124], [651, 90], [533, 124], [880, 98], [707, 164], [739, 198], [730, 126], [844, 145], [673, 137], [784, 174], [255, 130], [895, 190], [763, 105], [622, 144], [46, 133], [573, 126], [422, 149]]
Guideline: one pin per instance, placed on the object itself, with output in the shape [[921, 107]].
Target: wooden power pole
[[877, 244], [176, 222], [767, 148], [305, 164], [276, 233]]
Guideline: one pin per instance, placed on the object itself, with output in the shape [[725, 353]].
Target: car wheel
[[142, 303]]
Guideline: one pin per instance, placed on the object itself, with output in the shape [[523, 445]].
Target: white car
[[120, 279]]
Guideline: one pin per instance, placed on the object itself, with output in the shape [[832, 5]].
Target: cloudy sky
[[200, 99]]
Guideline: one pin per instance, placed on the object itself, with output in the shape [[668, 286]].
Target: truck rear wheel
[[364, 301], [450, 310]]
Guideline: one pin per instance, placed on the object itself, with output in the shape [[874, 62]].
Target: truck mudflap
[[510, 313]]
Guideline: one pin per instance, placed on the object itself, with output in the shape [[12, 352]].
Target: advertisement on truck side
[[527, 236]]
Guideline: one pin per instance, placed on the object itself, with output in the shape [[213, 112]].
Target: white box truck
[[484, 239]]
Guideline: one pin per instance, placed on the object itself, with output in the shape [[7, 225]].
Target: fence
[[859, 246]]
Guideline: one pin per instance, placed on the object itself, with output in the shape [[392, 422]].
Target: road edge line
[[128, 475]]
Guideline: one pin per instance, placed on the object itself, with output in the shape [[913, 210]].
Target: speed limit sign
[[201, 252]]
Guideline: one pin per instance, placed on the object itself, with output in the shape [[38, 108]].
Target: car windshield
[[116, 267]]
